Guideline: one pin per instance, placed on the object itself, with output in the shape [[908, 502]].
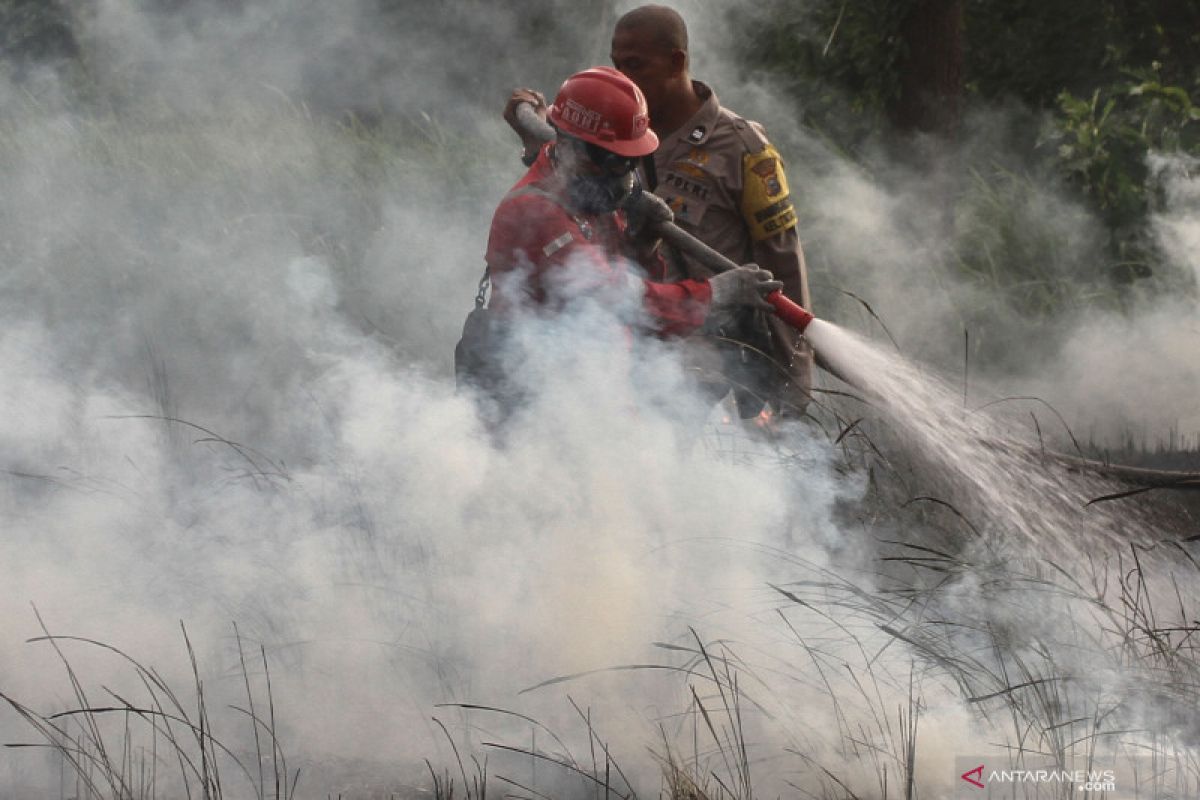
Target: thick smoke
[[227, 328], [1139, 373], [233, 276]]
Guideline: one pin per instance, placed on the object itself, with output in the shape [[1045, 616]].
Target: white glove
[[747, 285]]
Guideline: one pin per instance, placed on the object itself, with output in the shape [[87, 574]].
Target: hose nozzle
[[789, 311]]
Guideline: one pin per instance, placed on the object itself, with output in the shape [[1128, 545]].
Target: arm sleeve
[[784, 257], [677, 309], [770, 219]]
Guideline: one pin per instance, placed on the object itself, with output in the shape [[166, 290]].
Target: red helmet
[[603, 107]]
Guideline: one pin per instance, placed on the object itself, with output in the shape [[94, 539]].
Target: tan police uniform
[[726, 185]]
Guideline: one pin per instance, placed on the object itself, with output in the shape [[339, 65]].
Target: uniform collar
[[697, 129]]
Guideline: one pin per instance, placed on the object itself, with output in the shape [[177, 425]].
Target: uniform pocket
[[688, 210]]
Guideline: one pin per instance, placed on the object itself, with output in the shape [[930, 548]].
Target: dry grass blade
[[550, 759], [250, 702], [533, 792], [871, 312], [846, 431], [849, 793], [921, 549], [1182, 483], [514, 714], [95, 738], [944, 504], [57, 739], [711, 730], [247, 453], [1062, 420], [1015, 687], [210, 778], [196, 748], [593, 739], [1186, 555], [458, 758], [578, 675], [211, 743]]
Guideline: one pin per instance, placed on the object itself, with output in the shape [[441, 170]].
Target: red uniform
[[537, 248]]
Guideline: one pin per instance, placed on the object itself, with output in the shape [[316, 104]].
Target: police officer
[[726, 185]]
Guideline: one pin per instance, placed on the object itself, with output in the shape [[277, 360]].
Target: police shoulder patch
[[766, 203]]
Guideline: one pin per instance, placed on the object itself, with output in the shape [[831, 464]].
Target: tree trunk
[[931, 69]]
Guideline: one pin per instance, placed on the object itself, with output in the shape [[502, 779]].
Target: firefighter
[[726, 185], [560, 231]]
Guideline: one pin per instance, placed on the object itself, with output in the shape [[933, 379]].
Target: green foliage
[[835, 58], [1024, 252], [1111, 83], [1101, 147], [1102, 141], [1033, 49]]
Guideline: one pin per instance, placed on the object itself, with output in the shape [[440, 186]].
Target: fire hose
[[655, 210]]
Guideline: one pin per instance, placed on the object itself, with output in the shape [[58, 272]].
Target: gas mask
[[600, 181], [599, 194]]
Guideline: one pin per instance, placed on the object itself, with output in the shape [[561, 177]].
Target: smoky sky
[[235, 261]]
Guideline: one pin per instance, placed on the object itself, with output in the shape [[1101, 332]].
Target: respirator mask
[[600, 181]]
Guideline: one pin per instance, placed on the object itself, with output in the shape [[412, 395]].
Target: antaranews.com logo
[[978, 779]]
